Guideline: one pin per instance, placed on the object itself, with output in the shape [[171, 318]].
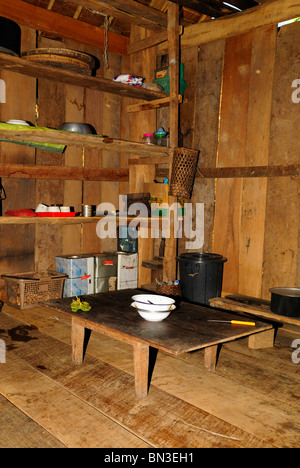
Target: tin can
[[87, 211]]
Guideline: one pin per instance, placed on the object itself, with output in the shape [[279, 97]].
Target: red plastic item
[[23, 213], [57, 214]]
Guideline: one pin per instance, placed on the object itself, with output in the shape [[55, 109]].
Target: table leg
[[141, 369], [210, 357], [78, 332], [264, 339]]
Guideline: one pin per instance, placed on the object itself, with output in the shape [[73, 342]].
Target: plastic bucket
[[201, 276]]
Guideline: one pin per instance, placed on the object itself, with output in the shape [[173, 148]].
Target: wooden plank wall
[[254, 222], [25, 248], [17, 245], [141, 63], [282, 241]]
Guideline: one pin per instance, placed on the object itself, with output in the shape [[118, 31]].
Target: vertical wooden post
[[173, 40], [143, 63], [169, 263]]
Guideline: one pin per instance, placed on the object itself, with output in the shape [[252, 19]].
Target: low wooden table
[[186, 329]]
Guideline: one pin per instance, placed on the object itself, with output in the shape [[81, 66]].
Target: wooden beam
[[19, 171], [157, 104], [150, 161], [128, 11], [173, 41], [270, 12], [51, 22], [149, 42], [212, 8], [169, 260], [289, 170]]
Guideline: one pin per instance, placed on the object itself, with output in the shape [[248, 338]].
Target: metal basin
[[77, 127], [285, 301]]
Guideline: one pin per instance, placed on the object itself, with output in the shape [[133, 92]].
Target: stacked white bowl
[[152, 307]]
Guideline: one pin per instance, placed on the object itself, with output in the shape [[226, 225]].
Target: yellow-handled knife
[[235, 322]]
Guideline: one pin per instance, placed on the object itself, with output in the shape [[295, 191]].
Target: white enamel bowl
[[18, 122], [153, 316], [153, 302]]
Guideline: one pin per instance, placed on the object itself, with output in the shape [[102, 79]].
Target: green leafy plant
[[78, 305]]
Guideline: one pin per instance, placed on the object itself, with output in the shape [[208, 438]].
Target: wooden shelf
[[262, 311], [78, 139], [4, 220], [18, 65]]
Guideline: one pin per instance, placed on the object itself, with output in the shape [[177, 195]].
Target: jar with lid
[[148, 138], [160, 136]]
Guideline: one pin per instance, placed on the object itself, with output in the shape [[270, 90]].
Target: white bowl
[[18, 122], [153, 302], [153, 316]]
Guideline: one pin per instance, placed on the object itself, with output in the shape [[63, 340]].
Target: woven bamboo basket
[[169, 289], [183, 172], [65, 59]]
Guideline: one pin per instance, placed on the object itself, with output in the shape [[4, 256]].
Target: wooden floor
[[252, 400]]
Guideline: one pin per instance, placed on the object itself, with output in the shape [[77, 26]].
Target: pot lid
[[290, 292]]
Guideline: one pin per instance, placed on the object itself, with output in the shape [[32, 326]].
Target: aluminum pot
[[86, 129], [285, 301]]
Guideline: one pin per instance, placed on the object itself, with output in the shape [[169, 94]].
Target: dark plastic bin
[[201, 276]]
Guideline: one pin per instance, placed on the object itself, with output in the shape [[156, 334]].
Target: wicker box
[[169, 289], [26, 290]]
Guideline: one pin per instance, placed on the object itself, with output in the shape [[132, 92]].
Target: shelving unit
[[148, 99]]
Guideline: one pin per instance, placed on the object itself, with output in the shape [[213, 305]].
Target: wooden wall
[[17, 244], [237, 110], [25, 248], [243, 115]]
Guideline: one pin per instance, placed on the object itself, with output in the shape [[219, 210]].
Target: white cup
[[41, 208], [65, 209], [53, 209]]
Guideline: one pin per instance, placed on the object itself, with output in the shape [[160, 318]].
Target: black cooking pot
[[285, 301], [10, 37]]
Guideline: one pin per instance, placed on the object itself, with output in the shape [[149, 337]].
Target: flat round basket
[[64, 59]]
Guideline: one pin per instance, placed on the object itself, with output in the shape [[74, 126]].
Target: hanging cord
[[105, 53]]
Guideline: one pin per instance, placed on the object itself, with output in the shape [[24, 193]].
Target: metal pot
[[77, 127], [285, 301], [10, 37]]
